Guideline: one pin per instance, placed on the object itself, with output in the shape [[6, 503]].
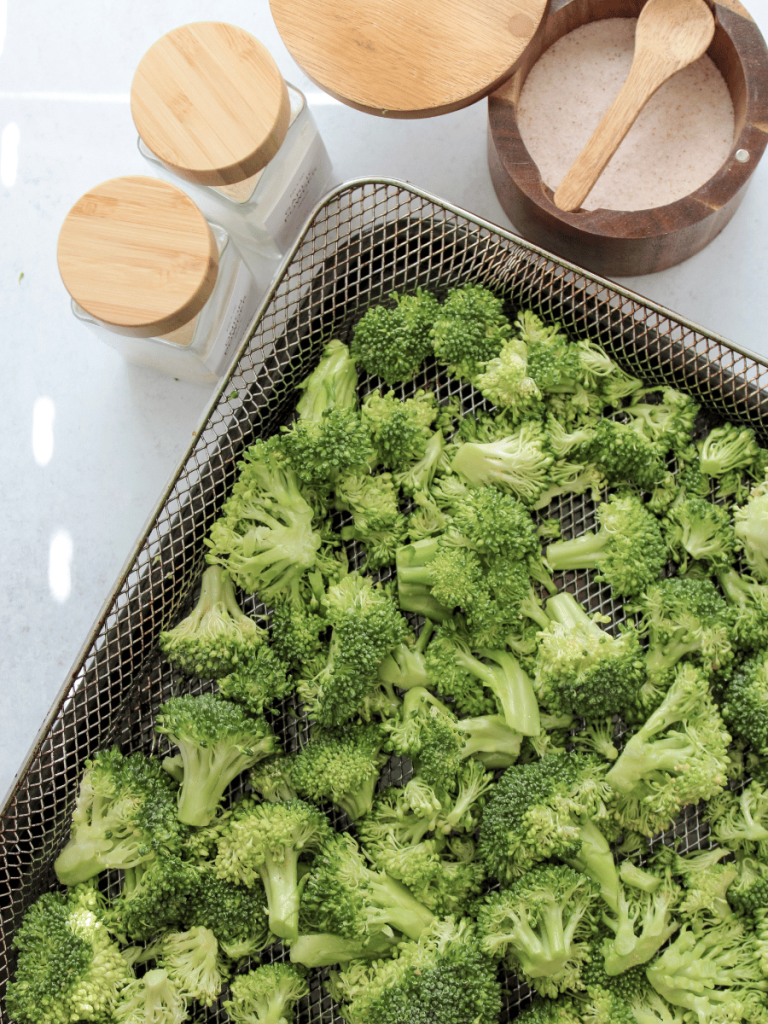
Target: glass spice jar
[[155, 280], [212, 108]]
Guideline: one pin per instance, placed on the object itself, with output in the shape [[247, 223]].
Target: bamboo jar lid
[[209, 101], [137, 254], [397, 58]]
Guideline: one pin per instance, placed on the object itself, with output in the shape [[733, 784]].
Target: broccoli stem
[[642, 756], [491, 737], [355, 805], [416, 597], [414, 559], [584, 552], [323, 949], [405, 667], [565, 609], [398, 906], [207, 773], [80, 860], [545, 956], [595, 860], [532, 610], [281, 885], [511, 686]]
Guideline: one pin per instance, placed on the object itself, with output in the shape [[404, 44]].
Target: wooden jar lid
[[137, 254], [209, 101], [397, 58]]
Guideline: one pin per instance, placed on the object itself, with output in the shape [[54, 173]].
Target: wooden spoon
[[670, 35]]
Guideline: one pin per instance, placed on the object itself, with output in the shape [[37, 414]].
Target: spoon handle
[[643, 80]]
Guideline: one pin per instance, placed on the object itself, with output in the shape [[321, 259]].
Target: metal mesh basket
[[367, 239]]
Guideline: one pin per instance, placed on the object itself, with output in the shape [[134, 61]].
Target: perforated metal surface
[[366, 240]]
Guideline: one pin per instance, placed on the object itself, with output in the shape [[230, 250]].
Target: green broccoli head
[[319, 451], [68, 969], [739, 820], [153, 998], [748, 893], [540, 925], [236, 914], [264, 841], [260, 684], [153, 897], [331, 385], [216, 637], [727, 449], [400, 428], [750, 521], [193, 964], [443, 977], [745, 704], [272, 778], [470, 330], [669, 423], [392, 343], [217, 741], [695, 528], [518, 463], [267, 994], [125, 814], [295, 634], [342, 766], [505, 382], [623, 455]]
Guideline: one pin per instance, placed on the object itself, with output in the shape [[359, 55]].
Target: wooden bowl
[[615, 243]]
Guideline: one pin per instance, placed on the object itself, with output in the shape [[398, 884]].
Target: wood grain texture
[[137, 254], [670, 35], [614, 243], [210, 102], [408, 58]]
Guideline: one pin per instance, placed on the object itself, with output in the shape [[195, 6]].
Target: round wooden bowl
[[615, 243]]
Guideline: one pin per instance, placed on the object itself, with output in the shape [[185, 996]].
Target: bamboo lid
[[210, 102], [400, 58], [137, 254]]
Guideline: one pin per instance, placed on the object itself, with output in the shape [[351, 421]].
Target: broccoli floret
[[749, 603], [519, 463], [707, 882], [450, 679], [683, 618], [695, 528], [320, 450], [405, 666], [341, 766], [153, 999], [443, 977], [583, 670], [598, 737], [343, 895], [469, 330], [264, 536], [259, 684], [217, 741], [750, 521], [728, 448], [154, 896], [295, 635], [216, 637], [236, 915], [623, 455], [393, 343], [266, 995], [400, 428], [505, 382], [378, 523], [572, 478], [740, 820], [748, 893], [321, 949], [668, 423], [125, 814], [416, 479], [713, 971], [191, 960], [678, 757], [539, 925], [366, 628], [272, 778], [536, 811], [745, 703], [641, 923], [68, 969], [264, 841], [628, 549]]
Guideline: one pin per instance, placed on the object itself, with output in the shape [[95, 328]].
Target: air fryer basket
[[367, 239]]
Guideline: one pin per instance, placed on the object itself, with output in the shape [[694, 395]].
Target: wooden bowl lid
[[397, 58], [138, 255], [210, 102]]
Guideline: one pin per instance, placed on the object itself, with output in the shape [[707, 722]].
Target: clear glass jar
[[250, 150], [202, 349]]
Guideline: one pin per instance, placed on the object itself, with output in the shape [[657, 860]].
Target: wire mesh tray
[[367, 239]]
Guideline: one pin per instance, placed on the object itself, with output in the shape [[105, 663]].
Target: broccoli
[[154, 896], [583, 670], [272, 778], [264, 841], [740, 820], [641, 923], [377, 523], [596, 1006], [400, 428], [191, 960], [750, 521], [669, 423], [470, 329], [539, 925], [745, 703], [707, 882], [259, 684], [216, 637], [598, 737], [537, 811], [266, 995], [342, 895], [712, 970], [505, 382], [321, 949], [405, 666], [295, 635], [153, 999], [748, 892], [341, 766], [236, 915], [679, 756], [623, 455], [443, 977], [217, 741], [68, 969], [125, 814], [727, 449], [366, 628], [393, 343], [264, 535], [628, 549], [695, 528], [416, 479], [519, 463], [749, 603]]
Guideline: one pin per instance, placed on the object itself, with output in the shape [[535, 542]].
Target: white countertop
[[90, 441]]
